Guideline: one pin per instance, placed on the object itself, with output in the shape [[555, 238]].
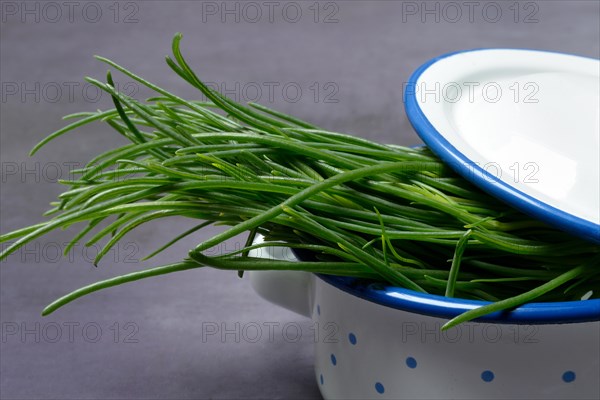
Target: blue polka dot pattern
[[411, 362], [379, 387], [333, 359], [321, 379], [487, 376], [352, 338], [568, 376]]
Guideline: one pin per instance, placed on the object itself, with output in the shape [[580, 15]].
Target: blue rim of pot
[[478, 176], [446, 307]]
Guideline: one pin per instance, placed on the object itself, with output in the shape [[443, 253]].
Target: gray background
[[151, 343]]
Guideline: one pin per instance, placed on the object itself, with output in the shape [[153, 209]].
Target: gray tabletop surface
[[340, 64]]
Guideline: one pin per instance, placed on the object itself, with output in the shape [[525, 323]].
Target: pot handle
[[288, 289]]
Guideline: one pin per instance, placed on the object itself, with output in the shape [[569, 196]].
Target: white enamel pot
[[386, 342]]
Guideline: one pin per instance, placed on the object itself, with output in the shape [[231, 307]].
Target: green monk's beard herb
[[367, 210]]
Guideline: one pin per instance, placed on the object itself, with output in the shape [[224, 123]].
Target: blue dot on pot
[[321, 379], [318, 309], [379, 388], [333, 359], [352, 338], [411, 362], [487, 376], [568, 376]]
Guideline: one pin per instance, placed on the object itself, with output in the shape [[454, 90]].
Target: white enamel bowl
[[386, 343], [523, 125]]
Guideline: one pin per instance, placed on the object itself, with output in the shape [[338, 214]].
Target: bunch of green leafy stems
[[365, 210]]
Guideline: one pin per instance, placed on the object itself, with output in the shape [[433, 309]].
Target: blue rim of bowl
[[478, 176], [446, 307]]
